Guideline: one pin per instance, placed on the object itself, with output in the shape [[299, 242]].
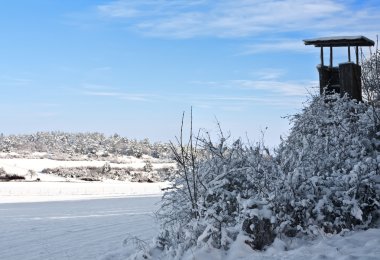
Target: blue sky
[[132, 67]]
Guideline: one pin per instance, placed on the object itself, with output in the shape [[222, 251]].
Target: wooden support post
[[357, 54], [322, 62], [349, 53], [331, 57]]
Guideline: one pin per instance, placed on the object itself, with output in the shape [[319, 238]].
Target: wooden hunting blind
[[346, 77]]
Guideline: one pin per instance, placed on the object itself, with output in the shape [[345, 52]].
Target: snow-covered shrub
[[11, 177], [240, 180], [324, 178], [4, 176], [32, 173], [2, 171], [148, 167], [217, 187], [330, 164], [371, 77], [79, 146], [106, 168]]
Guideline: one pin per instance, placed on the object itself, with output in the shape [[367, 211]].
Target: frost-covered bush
[[148, 167], [93, 173], [217, 187], [371, 77], [324, 177], [330, 164], [4, 176], [2, 171]]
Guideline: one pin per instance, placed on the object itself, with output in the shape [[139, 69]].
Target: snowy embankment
[[353, 245], [21, 166], [54, 191], [53, 188]]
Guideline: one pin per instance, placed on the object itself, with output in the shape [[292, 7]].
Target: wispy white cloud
[[240, 18], [292, 88], [269, 83], [267, 87], [243, 102], [269, 73], [46, 105], [14, 81], [137, 97], [97, 88], [120, 95], [146, 8], [103, 94], [278, 45], [282, 97], [118, 9]]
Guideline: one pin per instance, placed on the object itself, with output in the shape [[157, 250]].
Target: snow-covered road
[[84, 229]]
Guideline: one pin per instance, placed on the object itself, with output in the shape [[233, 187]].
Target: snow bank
[[54, 188], [11, 192], [354, 245], [21, 166]]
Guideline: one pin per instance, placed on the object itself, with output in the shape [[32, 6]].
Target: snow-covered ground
[[56, 191], [363, 245], [90, 220], [53, 188], [51, 225], [89, 229], [96, 229], [21, 166]]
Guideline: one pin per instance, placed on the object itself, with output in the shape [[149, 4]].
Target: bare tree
[[186, 155]]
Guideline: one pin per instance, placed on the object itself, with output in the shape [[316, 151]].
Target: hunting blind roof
[[340, 41]]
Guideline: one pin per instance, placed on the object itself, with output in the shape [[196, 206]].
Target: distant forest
[[74, 144]]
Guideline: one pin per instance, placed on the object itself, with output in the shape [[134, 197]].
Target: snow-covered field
[[60, 219], [88, 229], [96, 229], [46, 222], [21, 166], [56, 191], [53, 188]]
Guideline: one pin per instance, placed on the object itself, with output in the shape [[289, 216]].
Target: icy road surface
[[86, 229]]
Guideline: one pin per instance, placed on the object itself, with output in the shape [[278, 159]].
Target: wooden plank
[[349, 53], [322, 62], [357, 54], [349, 79], [340, 41]]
